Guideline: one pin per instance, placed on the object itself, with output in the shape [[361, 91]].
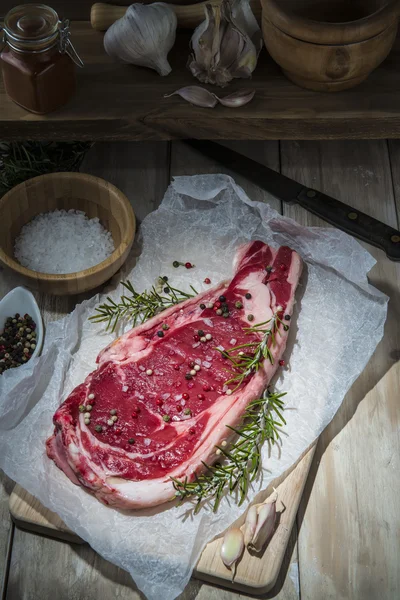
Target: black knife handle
[[352, 221]]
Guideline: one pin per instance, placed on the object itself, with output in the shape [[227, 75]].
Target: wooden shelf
[[122, 102]]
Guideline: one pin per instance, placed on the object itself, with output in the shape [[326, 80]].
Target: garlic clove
[[237, 99], [143, 36], [244, 19], [231, 45], [250, 524], [265, 526], [232, 548], [196, 95], [204, 38]]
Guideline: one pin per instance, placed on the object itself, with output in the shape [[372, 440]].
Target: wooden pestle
[[102, 15]]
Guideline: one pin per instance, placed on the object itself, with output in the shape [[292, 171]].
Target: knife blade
[[335, 212]]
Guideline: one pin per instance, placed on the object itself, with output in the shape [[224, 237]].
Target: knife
[[333, 211]]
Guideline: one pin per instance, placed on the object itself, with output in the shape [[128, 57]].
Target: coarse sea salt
[[61, 242]]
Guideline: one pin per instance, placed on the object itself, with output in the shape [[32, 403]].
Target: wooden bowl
[[329, 45], [45, 193]]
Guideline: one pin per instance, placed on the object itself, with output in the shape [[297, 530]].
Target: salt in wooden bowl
[[96, 197]]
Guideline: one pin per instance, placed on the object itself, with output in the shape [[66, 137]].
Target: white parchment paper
[[338, 322]]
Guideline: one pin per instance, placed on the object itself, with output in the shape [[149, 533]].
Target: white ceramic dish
[[22, 301]]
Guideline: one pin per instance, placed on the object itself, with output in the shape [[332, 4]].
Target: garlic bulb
[[144, 36], [226, 44]]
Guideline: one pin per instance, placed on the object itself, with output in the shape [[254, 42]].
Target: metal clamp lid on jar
[[27, 30]]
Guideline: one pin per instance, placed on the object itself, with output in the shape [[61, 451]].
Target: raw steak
[[166, 420]]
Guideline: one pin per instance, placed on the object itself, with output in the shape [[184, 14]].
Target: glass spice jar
[[38, 58]]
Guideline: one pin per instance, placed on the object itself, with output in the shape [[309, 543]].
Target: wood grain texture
[[123, 102], [255, 574], [66, 191], [139, 170], [189, 15], [327, 67], [353, 489], [332, 21]]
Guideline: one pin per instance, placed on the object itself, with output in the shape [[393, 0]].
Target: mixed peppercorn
[[17, 341]]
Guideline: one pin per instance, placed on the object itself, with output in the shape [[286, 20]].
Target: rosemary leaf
[[136, 307], [262, 421]]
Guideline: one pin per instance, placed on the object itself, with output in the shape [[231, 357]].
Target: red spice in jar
[[37, 64]]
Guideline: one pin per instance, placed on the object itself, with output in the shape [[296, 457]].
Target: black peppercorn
[[248, 295], [160, 333], [222, 299], [287, 317], [202, 306], [188, 376]]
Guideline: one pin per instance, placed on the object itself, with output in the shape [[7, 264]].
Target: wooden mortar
[[329, 45]]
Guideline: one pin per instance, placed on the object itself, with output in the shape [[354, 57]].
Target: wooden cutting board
[[255, 574]]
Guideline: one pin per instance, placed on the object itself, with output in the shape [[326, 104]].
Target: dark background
[[70, 9]]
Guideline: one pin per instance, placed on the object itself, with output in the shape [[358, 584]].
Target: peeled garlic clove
[[196, 95], [232, 548], [265, 526], [237, 99], [250, 524], [143, 36]]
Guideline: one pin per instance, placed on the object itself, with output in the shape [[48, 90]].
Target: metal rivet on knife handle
[[395, 239], [311, 193], [353, 216]]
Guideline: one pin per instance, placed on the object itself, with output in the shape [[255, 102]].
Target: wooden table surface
[[345, 545], [123, 102]]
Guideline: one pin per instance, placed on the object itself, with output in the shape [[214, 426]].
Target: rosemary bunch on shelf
[[20, 161], [241, 463], [247, 358], [139, 307]]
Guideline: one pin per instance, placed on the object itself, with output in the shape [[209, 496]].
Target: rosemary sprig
[[246, 364], [21, 160], [139, 307], [262, 421]]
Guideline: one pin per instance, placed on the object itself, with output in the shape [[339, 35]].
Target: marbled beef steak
[[159, 400]]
